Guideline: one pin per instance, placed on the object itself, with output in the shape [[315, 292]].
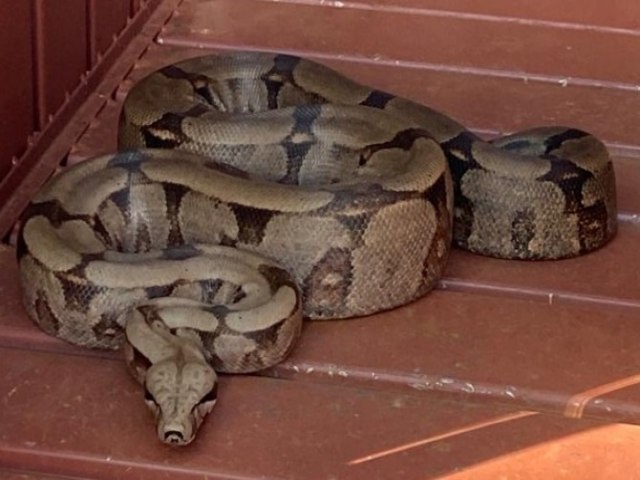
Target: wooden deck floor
[[508, 370]]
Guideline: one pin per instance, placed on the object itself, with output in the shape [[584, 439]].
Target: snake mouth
[[177, 433], [174, 437]]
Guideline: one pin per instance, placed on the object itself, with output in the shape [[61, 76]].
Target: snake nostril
[[173, 436]]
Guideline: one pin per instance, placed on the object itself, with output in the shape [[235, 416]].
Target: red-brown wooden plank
[[623, 14], [61, 36], [135, 6], [107, 19], [16, 94], [499, 47], [85, 417]]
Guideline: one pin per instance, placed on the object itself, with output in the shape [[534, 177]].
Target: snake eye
[[205, 405], [148, 397], [211, 396]]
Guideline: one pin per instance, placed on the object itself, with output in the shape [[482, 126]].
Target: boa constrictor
[[348, 189]]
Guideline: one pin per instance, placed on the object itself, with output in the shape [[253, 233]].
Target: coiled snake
[[305, 194]]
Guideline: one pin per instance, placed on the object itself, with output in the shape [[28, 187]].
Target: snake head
[[180, 395]]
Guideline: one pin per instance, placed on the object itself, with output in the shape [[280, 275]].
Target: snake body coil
[[257, 189]]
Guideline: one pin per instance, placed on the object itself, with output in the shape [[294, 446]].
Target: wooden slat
[[615, 14], [107, 19], [499, 47], [16, 95], [61, 48], [98, 427]]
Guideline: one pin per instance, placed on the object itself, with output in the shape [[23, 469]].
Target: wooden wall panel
[[135, 6], [106, 19], [61, 49], [16, 94]]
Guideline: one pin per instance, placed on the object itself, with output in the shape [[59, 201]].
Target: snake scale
[[255, 189]]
